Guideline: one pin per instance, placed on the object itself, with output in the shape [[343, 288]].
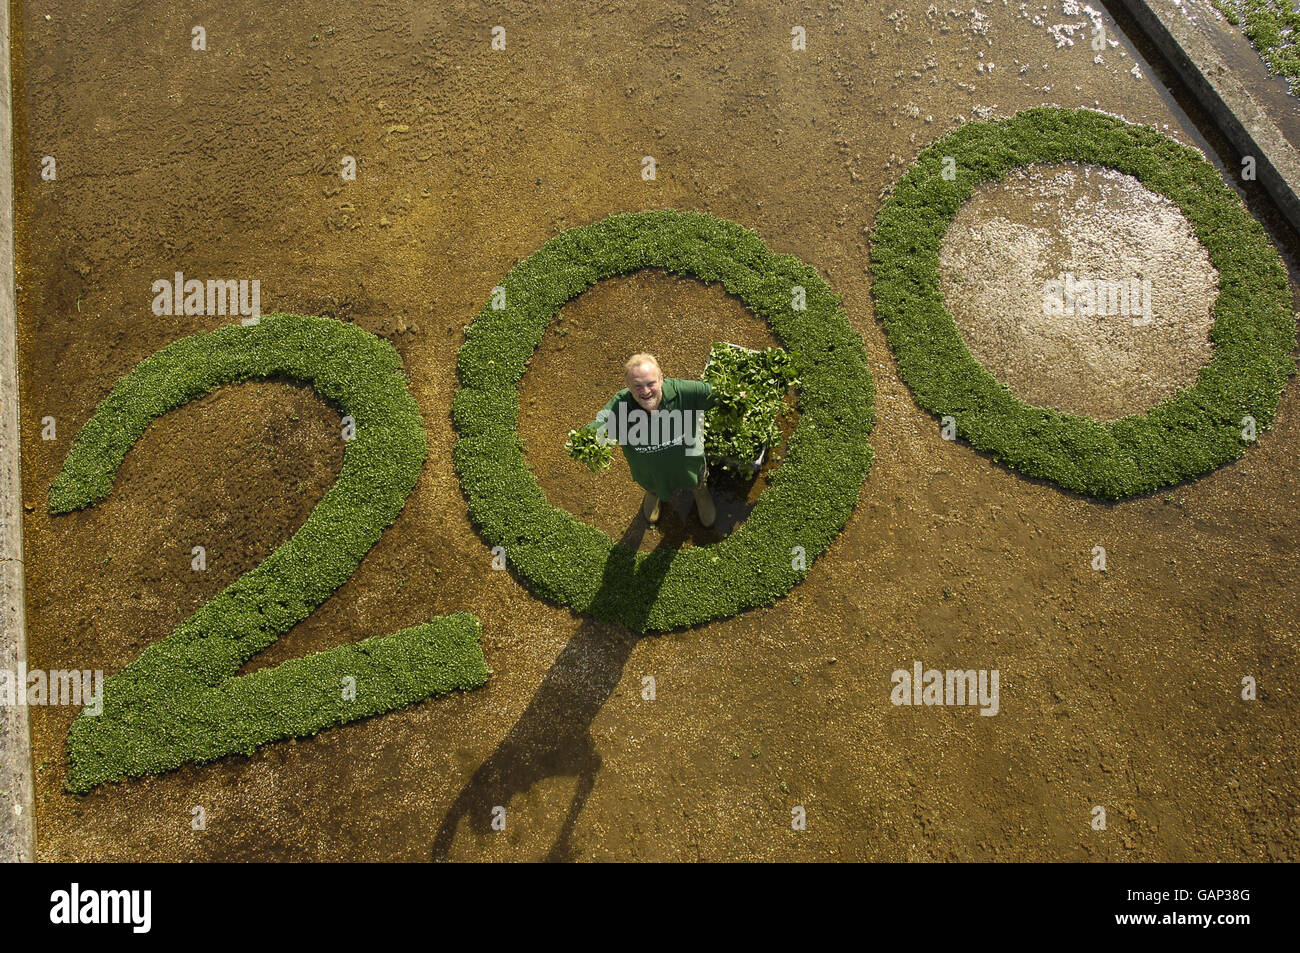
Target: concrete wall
[[17, 827], [1244, 122]]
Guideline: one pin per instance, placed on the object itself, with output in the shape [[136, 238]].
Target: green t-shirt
[[664, 449]]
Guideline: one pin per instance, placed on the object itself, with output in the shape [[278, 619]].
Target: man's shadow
[[553, 736]]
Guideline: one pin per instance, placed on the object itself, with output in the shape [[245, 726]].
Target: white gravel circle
[[1080, 289]]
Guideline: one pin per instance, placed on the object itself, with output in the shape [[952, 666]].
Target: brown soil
[[1119, 689], [580, 366]]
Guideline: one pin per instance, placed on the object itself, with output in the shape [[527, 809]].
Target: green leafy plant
[[1273, 29], [1197, 429], [586, 447], [182, 699], [749, 388], [802, 509]]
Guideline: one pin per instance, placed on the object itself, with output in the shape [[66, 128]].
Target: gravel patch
[[1080, 289]]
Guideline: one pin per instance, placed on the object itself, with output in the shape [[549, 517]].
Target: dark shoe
[[650, 507]]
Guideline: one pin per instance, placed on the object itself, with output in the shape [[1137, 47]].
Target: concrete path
[[1185, 34], [17, 842]]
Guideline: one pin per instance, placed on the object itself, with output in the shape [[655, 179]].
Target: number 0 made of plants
[[1203, 426], [180, 701], [808, 500]]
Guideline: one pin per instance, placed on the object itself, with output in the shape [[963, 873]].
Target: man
[[659, 422]]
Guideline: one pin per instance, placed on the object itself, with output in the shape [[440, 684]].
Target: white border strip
[[17, 830]]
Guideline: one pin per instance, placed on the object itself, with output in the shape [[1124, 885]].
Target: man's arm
[[697, 395], [608, 411], [697, 398]]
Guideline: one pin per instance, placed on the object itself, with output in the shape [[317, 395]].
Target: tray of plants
[[750, 386]]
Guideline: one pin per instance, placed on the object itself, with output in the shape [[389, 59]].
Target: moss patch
[[1199, 428], [180, 700], [1273, 29], [805, 506]]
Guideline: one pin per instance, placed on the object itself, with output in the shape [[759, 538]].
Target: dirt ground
[[1119, 689]]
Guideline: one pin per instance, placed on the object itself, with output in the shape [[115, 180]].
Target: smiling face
[[646, 382]]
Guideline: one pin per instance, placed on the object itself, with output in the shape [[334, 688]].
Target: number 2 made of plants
[[181, 700]]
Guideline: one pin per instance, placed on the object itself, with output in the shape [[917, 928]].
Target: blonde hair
[[636, 360]]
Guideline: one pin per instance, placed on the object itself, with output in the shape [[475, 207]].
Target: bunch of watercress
[[586, 447]]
